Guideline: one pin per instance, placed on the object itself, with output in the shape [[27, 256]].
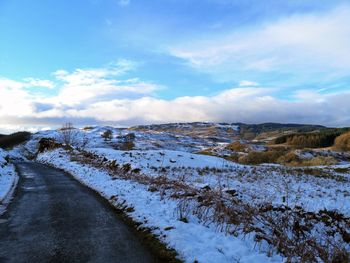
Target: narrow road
[[55, 219]]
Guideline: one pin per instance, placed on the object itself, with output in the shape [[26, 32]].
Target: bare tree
[[68, 134], [107, 135]]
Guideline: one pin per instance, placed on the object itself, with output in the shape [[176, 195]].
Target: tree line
[[323, 138]]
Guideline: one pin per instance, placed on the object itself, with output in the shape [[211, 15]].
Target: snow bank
[[8, 180]]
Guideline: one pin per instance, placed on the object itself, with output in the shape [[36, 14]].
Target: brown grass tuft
[[236, 146], [270, 156]]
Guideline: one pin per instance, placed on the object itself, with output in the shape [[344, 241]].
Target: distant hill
[[267, 130], [8, 141], [228, 131], [220, 132]]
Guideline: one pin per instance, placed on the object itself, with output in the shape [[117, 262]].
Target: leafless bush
[[68, 134]]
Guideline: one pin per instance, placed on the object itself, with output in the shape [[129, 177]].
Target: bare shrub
[[68, 134], [127, 142], [319, 160], [107, 135], [292, 159], [232, 157], [236, 146], [289, 159], [270, 156], [127, 146]]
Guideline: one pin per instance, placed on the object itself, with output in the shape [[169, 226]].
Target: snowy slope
[[163, 158], [8, 180], [255, 184]]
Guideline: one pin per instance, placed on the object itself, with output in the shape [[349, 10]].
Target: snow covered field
[[259, 185], [8, 179], [192, 240], [311, 194]]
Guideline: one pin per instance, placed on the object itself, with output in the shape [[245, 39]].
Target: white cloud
[[15, 100], [88, 85], [72, 90], [123, 2], [252, 105], [299, 45], [91, 96], [248, 83], [10, 84], [33, 82], [309, 95]]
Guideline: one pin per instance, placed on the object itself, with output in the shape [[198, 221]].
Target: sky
[[129, 62]]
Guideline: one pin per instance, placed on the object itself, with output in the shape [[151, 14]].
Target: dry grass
[[288, 158], [292, 159], [319, 161], [342, 170], [87, 128], [342, 142], [254, 158], [127, 146], [232, 158], [206, 152], [236, 147]]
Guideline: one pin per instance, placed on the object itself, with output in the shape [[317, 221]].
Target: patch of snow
[[8, 180]]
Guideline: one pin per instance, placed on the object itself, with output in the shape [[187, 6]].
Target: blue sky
[[129, 62]]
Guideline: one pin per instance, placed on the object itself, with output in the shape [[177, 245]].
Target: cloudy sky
[[132, 62]]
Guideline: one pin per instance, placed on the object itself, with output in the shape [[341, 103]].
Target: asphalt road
[[55, 219]]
